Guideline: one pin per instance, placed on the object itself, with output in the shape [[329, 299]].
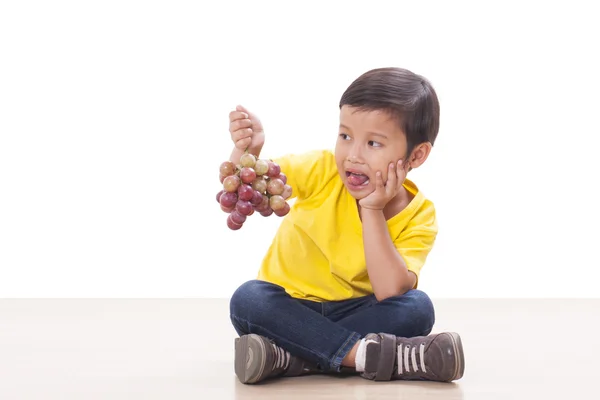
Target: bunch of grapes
[[254, 185]]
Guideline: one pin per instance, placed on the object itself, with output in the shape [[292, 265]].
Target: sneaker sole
[[460, 357], [250, 358]]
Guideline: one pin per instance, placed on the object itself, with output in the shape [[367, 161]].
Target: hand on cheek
[[383, 193]]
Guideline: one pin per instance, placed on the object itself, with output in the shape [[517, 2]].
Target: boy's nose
[[355, 158]]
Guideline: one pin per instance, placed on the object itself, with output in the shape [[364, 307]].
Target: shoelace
[[407, 355], [282, 358]]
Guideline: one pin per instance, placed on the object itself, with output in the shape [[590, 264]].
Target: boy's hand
[[246, 130], [384, 193]]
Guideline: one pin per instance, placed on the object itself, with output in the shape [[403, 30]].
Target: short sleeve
[[415, 241], [306, 172], [414, 246]]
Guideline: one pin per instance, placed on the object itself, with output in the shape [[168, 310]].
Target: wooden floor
[[183, 349]]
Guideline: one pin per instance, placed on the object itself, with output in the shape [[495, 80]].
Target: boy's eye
[[374, 143], [344, 136]]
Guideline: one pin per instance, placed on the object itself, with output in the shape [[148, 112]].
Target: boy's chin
[[358, 193], [358, 197]]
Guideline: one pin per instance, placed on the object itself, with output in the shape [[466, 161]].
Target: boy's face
[[368, 141]]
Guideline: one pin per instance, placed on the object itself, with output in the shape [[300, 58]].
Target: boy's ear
[[419, 155]]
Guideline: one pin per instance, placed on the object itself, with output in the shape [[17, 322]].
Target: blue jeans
[[324, 333]]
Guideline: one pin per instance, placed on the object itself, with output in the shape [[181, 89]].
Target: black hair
[[407, 97]]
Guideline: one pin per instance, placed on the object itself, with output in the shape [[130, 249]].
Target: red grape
[[244, 207], [227, 168], [248, 160], [276, 202], [274, 170], [264, 204], [247, 175], [261, 167], [283, 177], [245, 192], [259, 184], [227, 209], [265, 200], [282, 211], [231, 183], [232, 225], [267, 212], [253, 185], [275, 186], [237, 217], [228, 199], [287, 192], [256, 199]]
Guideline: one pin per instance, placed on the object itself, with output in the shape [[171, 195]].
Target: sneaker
[[257, 358], [437, 357]]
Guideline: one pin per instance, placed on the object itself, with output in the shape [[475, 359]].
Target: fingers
[[379, 181], [242, 108], [240, 128], [239, 124], [243, 144], [392, 180], [242, 137], [236, 115], [241, 134], [240, 113]]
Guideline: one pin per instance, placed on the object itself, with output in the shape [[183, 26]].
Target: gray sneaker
[[257, 358], [437, 357]]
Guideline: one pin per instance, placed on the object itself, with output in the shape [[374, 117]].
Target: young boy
[[337, 288]]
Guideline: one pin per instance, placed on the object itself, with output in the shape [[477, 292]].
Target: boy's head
[[386, 115]]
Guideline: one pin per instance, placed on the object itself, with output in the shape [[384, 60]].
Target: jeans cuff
[[336, 364]]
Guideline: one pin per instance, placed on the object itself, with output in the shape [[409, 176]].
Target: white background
[[113, 122]]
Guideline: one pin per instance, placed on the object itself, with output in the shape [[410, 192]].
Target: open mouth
[[356, 179]]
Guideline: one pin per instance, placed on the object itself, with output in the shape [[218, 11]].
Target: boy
[[337, 288]]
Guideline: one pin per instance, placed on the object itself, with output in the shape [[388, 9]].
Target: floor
[[183, 349]]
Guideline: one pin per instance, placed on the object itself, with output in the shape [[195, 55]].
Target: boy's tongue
[[357, 179]]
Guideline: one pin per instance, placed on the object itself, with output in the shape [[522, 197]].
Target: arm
[[386, 268], [304, 171]]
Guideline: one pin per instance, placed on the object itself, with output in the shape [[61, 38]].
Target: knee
[[427, 310], [418, 307], [250, 296], [252, 304], [423, 310]]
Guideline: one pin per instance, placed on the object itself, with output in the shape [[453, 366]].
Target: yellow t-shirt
[[318, 253]]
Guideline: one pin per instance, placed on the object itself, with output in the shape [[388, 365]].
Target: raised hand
[[246, 130], [384, 193]]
